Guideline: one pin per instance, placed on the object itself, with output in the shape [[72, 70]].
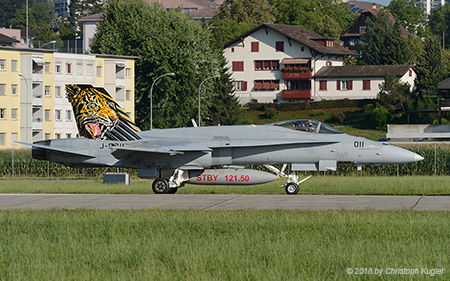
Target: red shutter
[[238, 66], [258, 65], [255, 47], [323, 85], [366, 84], [258, 85], [275, 85], [350, 84], [275, 64], [245, 86], [266, 65], [338, 85]]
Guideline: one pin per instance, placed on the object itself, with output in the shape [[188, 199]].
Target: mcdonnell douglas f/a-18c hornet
[[206, 155]]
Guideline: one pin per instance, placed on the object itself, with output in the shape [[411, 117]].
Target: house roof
[[362, 71], [359, 6], [200, 8], [299, 34], [93, 18], [444, 85], [7, 40], [361, 20]]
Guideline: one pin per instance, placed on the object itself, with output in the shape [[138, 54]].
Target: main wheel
[[160, 186], [292, 188]]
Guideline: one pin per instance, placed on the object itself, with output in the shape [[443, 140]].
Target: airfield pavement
[[220, 202]]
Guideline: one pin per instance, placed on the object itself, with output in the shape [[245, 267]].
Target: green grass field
[[372, 185], [224, 245]]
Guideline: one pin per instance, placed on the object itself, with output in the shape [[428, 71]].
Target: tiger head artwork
[[95, 113]]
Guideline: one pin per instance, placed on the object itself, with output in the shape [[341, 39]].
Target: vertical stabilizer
[[98, 116]]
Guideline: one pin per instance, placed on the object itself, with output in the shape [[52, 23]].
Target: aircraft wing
[[170, 149], [52, 148]]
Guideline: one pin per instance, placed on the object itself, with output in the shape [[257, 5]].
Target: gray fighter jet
[[207, 155]]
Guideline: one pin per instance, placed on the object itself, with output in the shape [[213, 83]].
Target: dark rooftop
[[362, 71]]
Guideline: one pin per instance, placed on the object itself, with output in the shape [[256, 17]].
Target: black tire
[[173, 190], [292, 188], [160, 186]]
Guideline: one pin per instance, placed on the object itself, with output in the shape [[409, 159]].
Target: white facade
[[241, 52], [430, 4]]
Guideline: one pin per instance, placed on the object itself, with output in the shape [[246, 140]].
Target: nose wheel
[[291, 188]]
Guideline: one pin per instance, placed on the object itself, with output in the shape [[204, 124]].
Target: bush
[[338, 117], [270, 112], [376, 117]]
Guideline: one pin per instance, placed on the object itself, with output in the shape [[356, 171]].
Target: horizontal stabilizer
[[56, 149]]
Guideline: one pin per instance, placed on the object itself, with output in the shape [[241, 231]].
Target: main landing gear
[[168, 186], [292, 184]]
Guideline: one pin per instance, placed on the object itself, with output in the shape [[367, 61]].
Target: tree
[[431, 68], [40, 13], [439, 23], [326, 17], [235, 17], [410, 14], [224, 107], [383, 44], [164, 41], [82, 8]]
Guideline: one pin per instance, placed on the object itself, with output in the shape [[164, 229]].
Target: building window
[[2, 138], [68, 68], [302, 49], [267, 84], [128, 72], [13, 89], [2, 90], [90, 70], [68, 115], [58, 68], [79, 69], [232, 50], [330, 43], [68, 135], [267, 65], [57, 136], [99, 71], [238, 66], [322, 85], [240, 85], [58, 114], [279, 46], [366, 84], [14, 137], [329, 63], [2, 113], [362, 29], [14, 65], [47, 136], [128, 94], [255, 47], [47, 115], [47, 67], [344, 85], [410, 73], [47, 91], [58, 91], [13, 113], [2, 64]]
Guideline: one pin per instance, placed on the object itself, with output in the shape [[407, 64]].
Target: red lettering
[[215, 177], [210, 178], [199, 178]]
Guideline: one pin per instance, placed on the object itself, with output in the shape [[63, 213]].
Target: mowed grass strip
[[356, 185], [220, 245]]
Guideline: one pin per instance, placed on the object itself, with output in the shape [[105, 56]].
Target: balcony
[[296, 94], [286, 75]]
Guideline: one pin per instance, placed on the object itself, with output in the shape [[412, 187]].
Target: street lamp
[[151, 96], [51, 42], [199, 97], [26, 122]]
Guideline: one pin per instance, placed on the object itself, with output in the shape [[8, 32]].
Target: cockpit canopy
[[307, 125]]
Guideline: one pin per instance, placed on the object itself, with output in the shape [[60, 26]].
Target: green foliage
[[165, 41], [235, 17], [13, 13], [270, 113], [338, 117], [376, 116], [439, 23], [383, 44], [431, 68], [326, 17], [395, 96], [224, 107], [410, 14]]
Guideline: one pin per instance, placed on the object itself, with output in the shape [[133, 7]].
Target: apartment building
[[33, 103]]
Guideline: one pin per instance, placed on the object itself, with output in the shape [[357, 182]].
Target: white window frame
[[13, 89], [57, 91], [2, 113], [14, 65], [2, 64], [58, 68], [58, 115], [68, 115], [13, 113]]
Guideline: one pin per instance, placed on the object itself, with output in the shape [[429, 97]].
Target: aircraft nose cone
[[397, 155]]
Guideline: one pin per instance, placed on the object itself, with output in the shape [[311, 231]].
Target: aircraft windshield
[[305, 125]]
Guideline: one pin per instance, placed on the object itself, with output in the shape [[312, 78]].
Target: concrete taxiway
[[220, 202]]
